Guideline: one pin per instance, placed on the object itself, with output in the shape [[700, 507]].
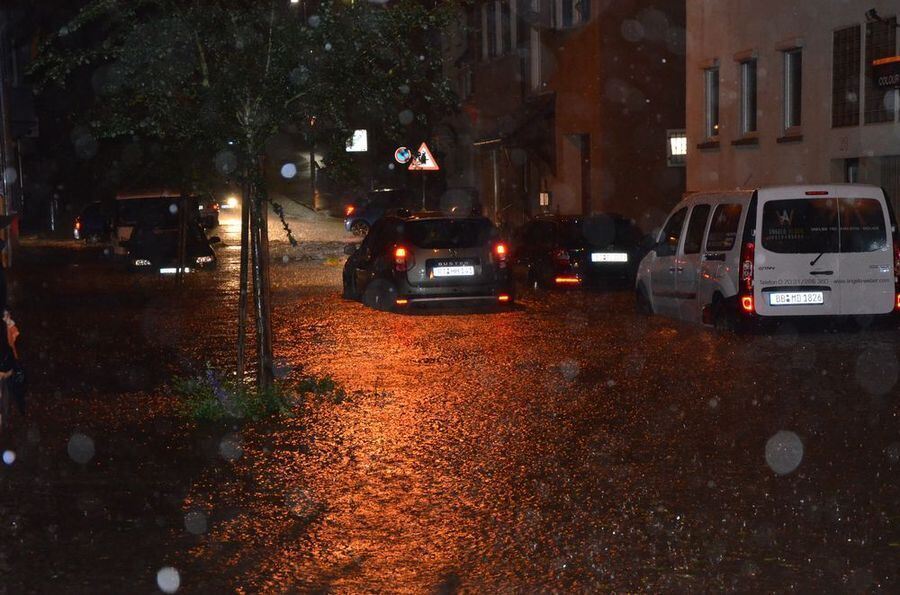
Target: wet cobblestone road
[[567, 445]]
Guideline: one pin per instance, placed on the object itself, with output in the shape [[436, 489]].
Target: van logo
[[786, 218]]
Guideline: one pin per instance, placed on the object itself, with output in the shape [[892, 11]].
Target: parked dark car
[[361, 214], [208, 211], [569, 251], [429, 257], [92, 224], [155, 248]]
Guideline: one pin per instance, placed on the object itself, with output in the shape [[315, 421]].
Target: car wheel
[[724, 321], [644, 305], [359, 229], [381, 295]]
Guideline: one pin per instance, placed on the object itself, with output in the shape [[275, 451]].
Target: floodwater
[[567, 444]]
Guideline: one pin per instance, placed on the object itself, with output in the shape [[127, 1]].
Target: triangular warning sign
[[423, 160]]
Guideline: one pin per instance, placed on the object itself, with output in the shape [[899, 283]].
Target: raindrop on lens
[[406, 117], [288, 170], [81, 448], [230, 447], [784, 452], [195, 522], [9, 457], [173, 208], [314, 21], [225, 162], [168, 580]]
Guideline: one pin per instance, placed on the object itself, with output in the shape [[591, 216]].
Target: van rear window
[[812, 226], [800, 226]]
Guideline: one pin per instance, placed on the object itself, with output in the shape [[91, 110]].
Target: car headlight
[[204, 259], [232, 202], [142, 262]]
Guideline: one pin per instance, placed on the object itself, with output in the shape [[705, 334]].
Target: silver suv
[[427, 257]]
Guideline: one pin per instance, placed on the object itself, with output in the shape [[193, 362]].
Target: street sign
[[402, 155], [423, 160]]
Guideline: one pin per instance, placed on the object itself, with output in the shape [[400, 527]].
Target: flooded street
[[567, 444]]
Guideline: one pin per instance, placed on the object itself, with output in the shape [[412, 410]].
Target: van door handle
[[821, 272], [714, 256], [680, 269]]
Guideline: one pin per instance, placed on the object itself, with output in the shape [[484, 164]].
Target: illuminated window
[[676, 149], [359, 142]]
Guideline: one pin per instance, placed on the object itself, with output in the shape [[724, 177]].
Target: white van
[[724, 257]]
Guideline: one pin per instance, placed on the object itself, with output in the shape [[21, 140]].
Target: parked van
[[725, 257]]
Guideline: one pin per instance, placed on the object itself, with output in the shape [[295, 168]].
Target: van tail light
[[748, 251], [501, 254], [403, 259]]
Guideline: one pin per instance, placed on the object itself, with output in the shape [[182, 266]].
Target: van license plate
[[796, 298], [460, 271], [609, 257]]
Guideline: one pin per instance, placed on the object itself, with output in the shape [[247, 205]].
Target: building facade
[[783, 93], [567, 106]]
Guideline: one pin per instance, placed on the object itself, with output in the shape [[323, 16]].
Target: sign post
[[423, 161]]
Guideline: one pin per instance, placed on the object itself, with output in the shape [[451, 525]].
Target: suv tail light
[[349, 210], [501, 254], [403, 259], [747, 261], [78, 227]]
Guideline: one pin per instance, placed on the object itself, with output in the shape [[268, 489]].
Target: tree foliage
[[219, 77]]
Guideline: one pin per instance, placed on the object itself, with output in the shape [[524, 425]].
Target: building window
[[571, 13], [711, 85], [845, 77], [535, 51], [793, 88], [489, 27], [881, 41], [748, 97]]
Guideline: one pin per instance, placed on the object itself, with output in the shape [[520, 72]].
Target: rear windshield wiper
[[813, 263]]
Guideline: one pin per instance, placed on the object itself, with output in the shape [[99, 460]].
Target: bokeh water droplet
[[81, 448], [784, 452], [168, 580]]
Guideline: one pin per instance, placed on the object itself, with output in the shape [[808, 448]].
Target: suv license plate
[[609, 257], [460, 271], [796, 298]]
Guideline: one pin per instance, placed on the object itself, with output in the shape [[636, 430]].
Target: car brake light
[[568, 280], [78, 226], [501, 254], [503, 297], [816, 193], [403, 259], [401, 301], [349, 210], [215, 206]]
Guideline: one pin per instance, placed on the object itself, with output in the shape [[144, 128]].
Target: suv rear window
[[810, 226], [449, 233]]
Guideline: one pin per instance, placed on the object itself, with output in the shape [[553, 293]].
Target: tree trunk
[[260, 290], [242, 303]]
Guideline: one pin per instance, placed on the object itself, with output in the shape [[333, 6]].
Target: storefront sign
[[887, 72]]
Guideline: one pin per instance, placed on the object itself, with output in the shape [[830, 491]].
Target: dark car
[[155, 248], [361, 214], [429, 257], [561, 251], [92, 224], [208, 211]]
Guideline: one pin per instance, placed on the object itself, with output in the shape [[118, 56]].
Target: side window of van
[[671, 233], [723, 229], [694, 238]]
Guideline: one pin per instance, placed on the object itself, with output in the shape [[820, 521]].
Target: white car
[[724, 257]]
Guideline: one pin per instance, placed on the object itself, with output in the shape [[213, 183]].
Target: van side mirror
[[350, 249]]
